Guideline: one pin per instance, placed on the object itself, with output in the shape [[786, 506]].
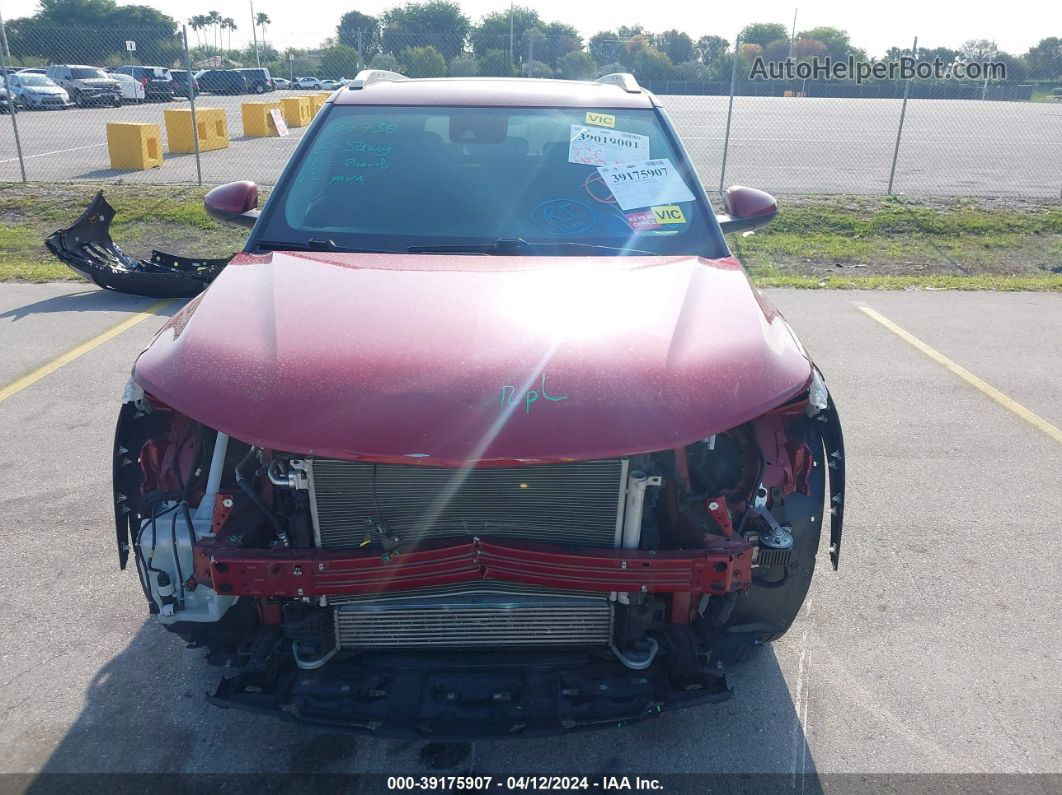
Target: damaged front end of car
[[492, 599]]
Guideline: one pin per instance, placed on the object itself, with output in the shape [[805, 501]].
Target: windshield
[[392, 178], [35, 80], [86, 73]]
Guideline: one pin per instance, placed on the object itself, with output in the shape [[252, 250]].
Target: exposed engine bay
[[379, 596], [86, 246]]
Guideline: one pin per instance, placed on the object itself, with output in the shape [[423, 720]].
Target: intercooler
[[578, 503], [472, 615]]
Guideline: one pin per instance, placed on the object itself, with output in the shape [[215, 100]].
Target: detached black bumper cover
[[468, 696], [88, 249]]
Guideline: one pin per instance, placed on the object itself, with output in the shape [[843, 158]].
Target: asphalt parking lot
[[934, 649], [784, 145]]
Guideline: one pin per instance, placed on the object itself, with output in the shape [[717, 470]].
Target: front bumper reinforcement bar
[[723, 567]]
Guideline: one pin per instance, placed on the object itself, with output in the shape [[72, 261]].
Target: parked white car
[[132, 89], [281, 83], [37, 92], [309, 82]]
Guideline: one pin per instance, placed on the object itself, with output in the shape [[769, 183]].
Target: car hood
[[96, 82], [451, 359], [43, 90]]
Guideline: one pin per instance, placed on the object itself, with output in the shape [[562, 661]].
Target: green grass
[[860, 242], [893, 243]]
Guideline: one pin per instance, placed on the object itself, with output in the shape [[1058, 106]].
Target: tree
[[339, 61], [691, 70], [359, 30], [808, 49], [384, 60], [229, 24], [261, 19], [1017, 69], [495, 63], [711, 48], [214, 19], [197, 23], [675, 44], [1044, 61], [93, 31], [492, 32], [978, 50], [605, 47], [763, 33], [777, 50], [422, 62], [437, 22], [464, 66], [576, 65], [649, 63], [561, 39], [537, 69], [838, 42]]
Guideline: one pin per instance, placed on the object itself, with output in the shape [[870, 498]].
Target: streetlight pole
[[511, 35]]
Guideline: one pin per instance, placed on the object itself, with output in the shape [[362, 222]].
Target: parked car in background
[[281, 83], [222, 81], [308, 82], [258, 79], [86, 85], [183, 83], [329, 85], [36, 70], [132, 89], [36, 92], [4, 106], [158, 85]]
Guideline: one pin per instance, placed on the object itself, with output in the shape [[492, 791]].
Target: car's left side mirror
[[746, 208], [233, 203]]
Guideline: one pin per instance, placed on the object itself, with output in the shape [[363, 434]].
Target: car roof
[[495, 92]]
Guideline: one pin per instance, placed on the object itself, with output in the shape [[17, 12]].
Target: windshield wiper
[[519, 246], [502, 246], [315, 244]]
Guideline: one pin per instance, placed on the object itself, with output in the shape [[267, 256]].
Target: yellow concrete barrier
[[319, 100], [134, 146], [297, 111], [213, 129], [256, 121]]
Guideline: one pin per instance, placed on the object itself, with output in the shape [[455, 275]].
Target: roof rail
[[624, 80], [366, 77]]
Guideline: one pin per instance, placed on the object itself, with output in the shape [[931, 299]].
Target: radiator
[[576, 503], [473, 615]]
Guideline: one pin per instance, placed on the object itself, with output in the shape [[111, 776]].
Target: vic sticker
[[669, 214], [600, 119]]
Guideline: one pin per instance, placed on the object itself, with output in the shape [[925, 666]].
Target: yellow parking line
[[18, 385], [967, 376]]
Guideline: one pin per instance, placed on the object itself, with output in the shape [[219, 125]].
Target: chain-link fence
[[1001, 135]]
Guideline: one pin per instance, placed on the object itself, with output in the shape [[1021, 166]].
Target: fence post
[[10, 99], [730, 110], [530, 53], [191, 99], [903, 112]]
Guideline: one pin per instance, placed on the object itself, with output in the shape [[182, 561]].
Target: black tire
[[259, 89]]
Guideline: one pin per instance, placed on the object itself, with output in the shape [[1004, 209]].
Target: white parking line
[[56, 152]]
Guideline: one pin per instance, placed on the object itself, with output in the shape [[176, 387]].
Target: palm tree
[[214, 18], [197, 23], [261, 19], [229, 24]]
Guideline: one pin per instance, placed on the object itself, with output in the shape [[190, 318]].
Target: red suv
[[485, 432]]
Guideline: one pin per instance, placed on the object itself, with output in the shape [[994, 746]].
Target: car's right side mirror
[[746, 209], [233, 203]]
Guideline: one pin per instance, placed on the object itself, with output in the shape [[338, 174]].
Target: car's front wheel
[[259, 89]]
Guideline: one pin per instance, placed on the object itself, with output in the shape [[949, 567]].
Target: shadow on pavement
[[92, 299], [144, 712]]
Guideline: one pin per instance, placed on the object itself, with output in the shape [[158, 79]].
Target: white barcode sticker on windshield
[[644, 184], [594, 146]]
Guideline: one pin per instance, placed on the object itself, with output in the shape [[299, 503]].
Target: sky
[[1015, 25]]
